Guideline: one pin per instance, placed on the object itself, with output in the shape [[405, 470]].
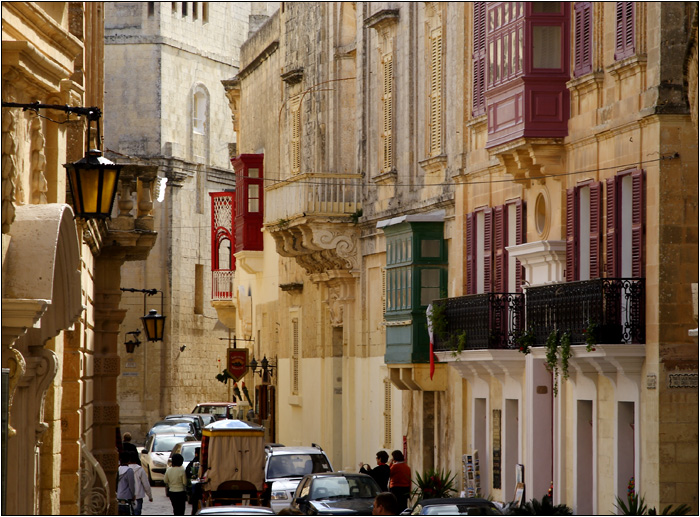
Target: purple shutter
[[612, 251], [470, 253], [519, 239], [500, 276], [583, 38], [595, 233], [488, 249], [571, 234], [479, 60], [624, 29], [638, 224]]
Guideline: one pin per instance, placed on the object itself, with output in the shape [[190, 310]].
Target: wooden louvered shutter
[[387, 413], [612, 253], [519, 239], [500, 276], [583, 38], [624, 29], [436, 92], [295, 356], [388, 109], [488, 249], [470, 238], [295, 144], [571, 234], [638, 213], [595, 230], [479, 60]]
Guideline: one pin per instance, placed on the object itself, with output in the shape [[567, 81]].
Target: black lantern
[[93, 180], [131, 344], [93, 184], [153, 323]]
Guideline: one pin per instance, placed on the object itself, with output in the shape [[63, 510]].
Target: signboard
[[237, 364]]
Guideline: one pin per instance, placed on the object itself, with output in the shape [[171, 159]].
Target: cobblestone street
[[161, 504]]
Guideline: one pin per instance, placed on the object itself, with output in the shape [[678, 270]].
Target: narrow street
[[161, 504]]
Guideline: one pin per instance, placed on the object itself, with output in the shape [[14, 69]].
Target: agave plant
[[544, 507], [433, 484]]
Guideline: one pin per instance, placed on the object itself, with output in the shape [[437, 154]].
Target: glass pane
[[430, 286], [546, 7], [253, 205], [430, 248], [546, 47], [254, 173]]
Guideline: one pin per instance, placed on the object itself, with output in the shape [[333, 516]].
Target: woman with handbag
[[176, 485]]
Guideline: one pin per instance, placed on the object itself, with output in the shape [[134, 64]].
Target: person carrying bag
[[126, 486]]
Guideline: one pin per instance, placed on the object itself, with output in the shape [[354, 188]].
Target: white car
[[154, 456], [284, 468], [186, 450]]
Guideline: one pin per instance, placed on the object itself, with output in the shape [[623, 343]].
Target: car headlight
[[159, 464], [279, 495]]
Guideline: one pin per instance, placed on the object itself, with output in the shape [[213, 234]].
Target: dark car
[[335, 493], [456, 506], [196, 420], [174, 426]]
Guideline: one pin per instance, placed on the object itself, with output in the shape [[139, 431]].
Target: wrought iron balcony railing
[[313, 194], [614, 305], [474, 322]]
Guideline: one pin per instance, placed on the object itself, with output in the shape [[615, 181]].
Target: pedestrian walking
[[176, 485], [127, 446], [193, 484], [400, 479], [141, 483], [126, 485], [381, 472]]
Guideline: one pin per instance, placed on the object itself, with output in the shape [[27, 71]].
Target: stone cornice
[[382, 18], [262, 56]]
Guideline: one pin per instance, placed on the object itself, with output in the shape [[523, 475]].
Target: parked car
[[235, 510], [154, 456], [186, 449], [284, 468], [175, 426], [220, 410], [196, 419], [207, 418], [456, 506], [335, 493]]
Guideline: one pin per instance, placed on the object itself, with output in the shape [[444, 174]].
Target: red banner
[[237, 364]]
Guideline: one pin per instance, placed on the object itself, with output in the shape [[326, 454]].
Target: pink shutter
[[479, 60], [500, 276], [595, 226], [488, 249], [583, 28], [638, 213], [470, 253], [519, 239], [612, 252], [624, 29], [571, 234]]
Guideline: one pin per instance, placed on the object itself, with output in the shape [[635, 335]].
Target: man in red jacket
[[400, 479]]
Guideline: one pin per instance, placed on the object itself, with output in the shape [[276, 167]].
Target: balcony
[[313, 218], [486, 321], [493, 320], [222, 285]]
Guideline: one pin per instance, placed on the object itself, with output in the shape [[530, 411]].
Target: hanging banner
[[237, 364]]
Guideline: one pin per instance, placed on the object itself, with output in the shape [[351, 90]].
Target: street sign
[[237, 364]]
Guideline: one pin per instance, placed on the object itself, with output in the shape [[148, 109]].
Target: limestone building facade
[[60, 275], [164, 66], [530, 170]]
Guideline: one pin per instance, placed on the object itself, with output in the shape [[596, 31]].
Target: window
[[583, 38], [479, 60], [435, 92], [624, 229], [199, 115], [295, 141], [195, 10], [151, 9], [205, 12], [624, 30], [388, 114], [504, 37], [173, 7], [184, 9], [583, 231], [489, 231]]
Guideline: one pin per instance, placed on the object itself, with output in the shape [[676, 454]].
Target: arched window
[[199, 112]]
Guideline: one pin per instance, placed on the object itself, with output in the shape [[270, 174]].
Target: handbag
[[125, 508]]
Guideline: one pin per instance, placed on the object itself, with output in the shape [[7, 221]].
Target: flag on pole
[[428, 314]]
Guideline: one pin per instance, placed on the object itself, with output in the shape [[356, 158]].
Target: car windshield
[[212, 410], [459, 509], [340, 486], [296, 465], [166, 443], [188, 453]]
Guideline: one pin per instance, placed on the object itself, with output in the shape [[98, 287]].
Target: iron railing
[[612, 307], [490, 320], [615, 306]]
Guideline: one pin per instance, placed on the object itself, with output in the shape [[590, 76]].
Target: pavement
[[161, 504]]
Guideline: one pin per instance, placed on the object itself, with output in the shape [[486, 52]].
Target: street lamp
[[153, 323], [266, 369], [132, 344], [93, 179]]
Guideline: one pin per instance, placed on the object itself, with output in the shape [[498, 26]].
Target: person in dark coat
[[381, 472]]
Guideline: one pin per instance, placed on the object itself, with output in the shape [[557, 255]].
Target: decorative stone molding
[[544, 261], [434, 164], [293, 76], [528, 159], [39, 185], [382, 19], [9, 168]]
